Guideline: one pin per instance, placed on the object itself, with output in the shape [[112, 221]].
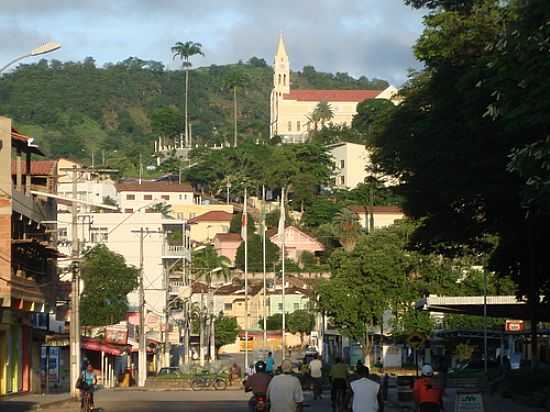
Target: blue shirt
[[88, 377], [269, 364]]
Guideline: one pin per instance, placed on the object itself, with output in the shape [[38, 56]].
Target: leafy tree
[[107, 280], [322, 210], [236, 224], [302, 322], [255, 254], [185, 51], [371, 114], [347, 228], [274, 322], [167, 122], [227, 330], [336, 133]]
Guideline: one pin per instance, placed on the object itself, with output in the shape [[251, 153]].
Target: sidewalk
[[33, 402]]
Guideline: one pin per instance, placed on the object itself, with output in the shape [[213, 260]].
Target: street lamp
[[44, 49]]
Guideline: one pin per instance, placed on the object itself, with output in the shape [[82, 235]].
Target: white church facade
[[290, 109]]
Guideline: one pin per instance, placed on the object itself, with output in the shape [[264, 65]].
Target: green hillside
[[116, 111]]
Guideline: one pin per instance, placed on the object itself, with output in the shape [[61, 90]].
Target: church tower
[[281, 69]]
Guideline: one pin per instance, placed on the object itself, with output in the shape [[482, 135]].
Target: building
[[295, 299], [28, 257], [297, 242], [134, 196], [290, 109], [350, 164], [226, 244], [91, 186], [377, 216], [186, 212], [204, 227]]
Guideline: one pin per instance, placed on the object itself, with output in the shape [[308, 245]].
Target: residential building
[[350, 164], [204, 227], [28, 255], [291, 108], [295, 299], [134, 196], [377, 216], [91, 186], [226, 244], [297, 242], [186, 211]]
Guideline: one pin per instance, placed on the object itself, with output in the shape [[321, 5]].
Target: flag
[[264, 228], [281, 231], [244, 220]]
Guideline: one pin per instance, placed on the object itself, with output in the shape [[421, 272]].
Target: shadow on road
[[17, 406], [173, 406]]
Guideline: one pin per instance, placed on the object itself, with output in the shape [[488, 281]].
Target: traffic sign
[[416, 340]]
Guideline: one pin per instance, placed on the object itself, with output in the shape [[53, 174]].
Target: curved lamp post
[[45, 48]]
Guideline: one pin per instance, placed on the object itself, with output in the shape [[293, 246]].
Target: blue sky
[[361, 37]]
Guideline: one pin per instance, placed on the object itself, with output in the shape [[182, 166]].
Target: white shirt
[[365, 395], [315, 367], [284, 392]]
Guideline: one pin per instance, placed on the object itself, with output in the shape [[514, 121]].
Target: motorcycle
[[260, 401]]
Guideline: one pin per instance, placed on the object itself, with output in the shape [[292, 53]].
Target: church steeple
[[281, 69]]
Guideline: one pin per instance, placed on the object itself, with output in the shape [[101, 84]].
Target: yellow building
[[290, 109]]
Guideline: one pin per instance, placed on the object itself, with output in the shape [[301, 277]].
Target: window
[[130, 197], [342, 163], [284, 79], [147, 197], [165, 197], [99, 234], [342, 180], [298, 126], [128, 210], [296, 306], [180, 196], [289, 126], [228, 307], [180, 216], [280, 307], [279, 79], [62, 233]]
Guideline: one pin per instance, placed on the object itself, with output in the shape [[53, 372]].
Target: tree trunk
[[234, 116], [186, 100]]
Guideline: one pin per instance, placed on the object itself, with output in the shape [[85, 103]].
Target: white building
[[377, 216], [90, 187], [134, 196], [351, 161]]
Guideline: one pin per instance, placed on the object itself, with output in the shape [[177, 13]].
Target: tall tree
[[347, 228], [107, 282], [255, 253], [184, 51], [236, 80]]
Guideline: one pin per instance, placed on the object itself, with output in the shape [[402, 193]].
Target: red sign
[[118, 336], [515, 326]]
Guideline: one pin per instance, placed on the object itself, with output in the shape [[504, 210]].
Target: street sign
[[469, 401], [416, 340], [515, 326]]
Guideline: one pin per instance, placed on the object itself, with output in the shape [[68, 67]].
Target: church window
[[289, 126], [279, 79], [298, 126], [284, 79]]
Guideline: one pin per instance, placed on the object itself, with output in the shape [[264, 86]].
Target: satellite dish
[[184, 292]]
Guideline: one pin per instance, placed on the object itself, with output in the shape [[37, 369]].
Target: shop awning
[[99, 346]]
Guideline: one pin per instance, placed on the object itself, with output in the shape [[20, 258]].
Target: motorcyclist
[[428, 395], [257, 384]]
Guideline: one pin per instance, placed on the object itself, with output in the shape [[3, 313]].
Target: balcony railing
[[176, 252]]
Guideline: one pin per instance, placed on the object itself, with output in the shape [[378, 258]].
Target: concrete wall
[[142, 201]]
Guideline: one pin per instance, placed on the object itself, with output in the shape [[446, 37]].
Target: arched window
[[284, 79], [279, 80], [289, 126]]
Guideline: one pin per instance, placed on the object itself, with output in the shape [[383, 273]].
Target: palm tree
[[324, 112], [184, 51], [235, 80], [207, 264], [347, 229], [163, 208]]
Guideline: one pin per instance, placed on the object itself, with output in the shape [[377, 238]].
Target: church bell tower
[[281, 69]]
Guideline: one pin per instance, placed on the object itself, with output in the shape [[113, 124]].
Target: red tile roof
[[38, 167], [229, 237], [153, 187], [212, 216], [332, 95], [377, 209], [26, 141]]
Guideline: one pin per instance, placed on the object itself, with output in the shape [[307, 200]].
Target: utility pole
[[74, 329], [264, 264], [245, 235], [142, 355]]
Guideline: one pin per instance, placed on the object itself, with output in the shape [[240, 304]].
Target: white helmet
[[427, 370]]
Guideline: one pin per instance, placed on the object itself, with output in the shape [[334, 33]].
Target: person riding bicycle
[[428, 394], [338, 379], [89, 380], [257, 384]]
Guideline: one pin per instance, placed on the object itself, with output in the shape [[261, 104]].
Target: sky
[[361, 37]]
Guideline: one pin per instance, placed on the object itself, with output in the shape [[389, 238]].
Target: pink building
[[297, 242], [226, 244]]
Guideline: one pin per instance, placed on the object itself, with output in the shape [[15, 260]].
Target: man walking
[[367, 394], [316, 373], [285, 391], [269, 363]]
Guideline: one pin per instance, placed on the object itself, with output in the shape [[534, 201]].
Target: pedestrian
[[339, 374], [285, 391], [367, 394], [425, 391], [269, 363], [235, 372], [316, 373]]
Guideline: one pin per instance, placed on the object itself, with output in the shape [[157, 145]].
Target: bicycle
[[86, 402], [340, 400], [207, 380]]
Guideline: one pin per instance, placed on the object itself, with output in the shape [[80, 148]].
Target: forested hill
[[74, 109]]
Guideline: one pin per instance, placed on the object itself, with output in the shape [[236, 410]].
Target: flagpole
[[283, 270], [264, 265], [245, 233]]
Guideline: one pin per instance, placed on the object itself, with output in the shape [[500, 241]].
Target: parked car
[[173, 370]]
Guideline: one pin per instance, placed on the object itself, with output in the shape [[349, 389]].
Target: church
[[290, 108]]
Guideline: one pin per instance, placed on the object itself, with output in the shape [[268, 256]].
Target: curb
[[54, 404]]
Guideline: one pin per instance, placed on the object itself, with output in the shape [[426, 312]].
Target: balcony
[[176, 252]]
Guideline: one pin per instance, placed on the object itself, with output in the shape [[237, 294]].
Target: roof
[[149, 186], [38, 167], [377, 209], [229, 237], [290, 290], [25, 142], [331, 95], [212, 216]]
